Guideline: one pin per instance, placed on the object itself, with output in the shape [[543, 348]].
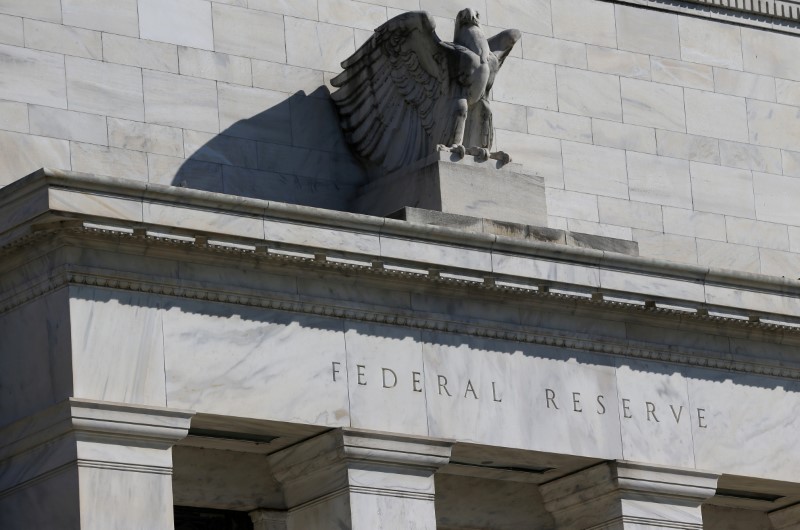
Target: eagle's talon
[[501, 156], [481, 153], [459, 150]]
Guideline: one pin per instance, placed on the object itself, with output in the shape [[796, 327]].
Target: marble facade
[[318, 369], [211, 318]]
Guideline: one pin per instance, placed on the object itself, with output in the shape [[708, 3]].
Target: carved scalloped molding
[[70, 275], [782, 9], [782, 15]]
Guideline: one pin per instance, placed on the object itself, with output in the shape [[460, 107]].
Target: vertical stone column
[[629, 496], [90, 465], [786, 519], [358, 480]]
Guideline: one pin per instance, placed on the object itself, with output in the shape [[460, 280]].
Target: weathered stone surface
[[147, 137], [744, 84], [624, 136], [688, 146], [572, 205], [682, 73], [716, 115], [49, 10], [32, 76], [528, 83], [14, 116], [584, 21], [63, 39], [772, 125], [317, 45], [659, 180], [653, 105], [711, 43], [180, 101], [693, 224], [540, 155], [595, 169], [722, 190], [560, 125], [68, 125], [611, 61], [249, 33], [25, 153], [254, 113], [113, 16], [555, 51], [218, 66], [142, 53], [105, 88], [183, 22], [649, 32], [530, 17], [589, 94], [11, 31], [109, 161]]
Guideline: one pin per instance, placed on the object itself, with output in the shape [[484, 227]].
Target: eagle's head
[[468, 17]]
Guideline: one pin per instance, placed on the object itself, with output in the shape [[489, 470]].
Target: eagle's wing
[[502, 43], [392, 92]]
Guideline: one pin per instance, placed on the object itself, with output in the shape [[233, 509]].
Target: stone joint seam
[[645, 522]]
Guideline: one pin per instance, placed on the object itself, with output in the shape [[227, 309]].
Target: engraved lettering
[[361, 375], [678, 415], [602, 405], [551, 398], [701, 419], [626, 408], [443, 385], [576, 402], [416, 382], [334, 364], [651, 409], [470, 389], [394, 378], [494, 394]]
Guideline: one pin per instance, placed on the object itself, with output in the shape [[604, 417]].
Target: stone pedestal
[[628, 496], [361, 480], [91, 466], [445, 183]]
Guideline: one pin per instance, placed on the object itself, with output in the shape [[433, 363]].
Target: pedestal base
[[445, 183]]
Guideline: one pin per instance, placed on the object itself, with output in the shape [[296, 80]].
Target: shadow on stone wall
[[291, 152]]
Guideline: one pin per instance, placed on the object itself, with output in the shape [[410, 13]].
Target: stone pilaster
[[629, 496], [90, 465], [786, 519], [361, 480]]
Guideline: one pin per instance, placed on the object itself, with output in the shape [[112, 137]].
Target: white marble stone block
[[584, 21], [618, 62], [773, 125], [722, 190], [559, 125], [775, 198], [353, 14], [691, 223], [744, 84], [659, 180], [670, 247], [716, 115], [787, 92], [529, 17], [572, 204], [249, 33], [748, 156], [317, 45], [595, 169], [511, 117], [710, 42], [589, 94], [32, 77], [254, 113], [728, 256], [48, 10], [688, 146], [183, 22], [139, 52], [104, 88], [294, 8], [529, 83], [653, 105], [538, 154], [147, 137], [11, 31], [220, 149], [180, 101], [14, 116], [68, 125], [110, 161], [769, 53], [120, 17], [23, 154], [63, 39], [214, 65], [682, 73], [624, 136], [757, 233], [632, 214], [555, 51], [648, 32]]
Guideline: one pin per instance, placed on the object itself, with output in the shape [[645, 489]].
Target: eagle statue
[[404, 94]]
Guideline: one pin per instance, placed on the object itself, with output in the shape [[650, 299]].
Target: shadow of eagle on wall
[[405, 93]]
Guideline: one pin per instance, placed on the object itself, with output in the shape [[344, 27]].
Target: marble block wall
[[675, 131]]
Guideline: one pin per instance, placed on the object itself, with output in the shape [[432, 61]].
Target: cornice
[[109, 279]]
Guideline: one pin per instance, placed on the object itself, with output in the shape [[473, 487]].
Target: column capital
[[332, 461], [617, 494]]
